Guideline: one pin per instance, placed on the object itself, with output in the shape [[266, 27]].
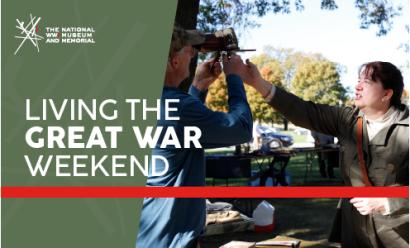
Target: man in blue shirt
[[178, 222]]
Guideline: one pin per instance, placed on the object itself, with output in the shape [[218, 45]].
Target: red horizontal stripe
[[201, 192]]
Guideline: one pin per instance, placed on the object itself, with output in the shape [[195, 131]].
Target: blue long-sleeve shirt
[[176, 222]]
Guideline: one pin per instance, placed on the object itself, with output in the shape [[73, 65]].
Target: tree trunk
[[238, 150], [186, 16], [285, 124]]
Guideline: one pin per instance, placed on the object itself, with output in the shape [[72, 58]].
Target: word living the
[[62, 137]]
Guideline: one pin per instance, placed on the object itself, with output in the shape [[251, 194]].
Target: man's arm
[[200, 94], [221, 129], [206, 74]]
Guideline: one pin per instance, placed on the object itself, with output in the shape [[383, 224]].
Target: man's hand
[[205, 76], [233, 65], [367, 206]]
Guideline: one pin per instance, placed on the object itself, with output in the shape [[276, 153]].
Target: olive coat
[[387, 161]]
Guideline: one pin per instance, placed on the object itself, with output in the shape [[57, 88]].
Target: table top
[[273, 153], [255, 154]]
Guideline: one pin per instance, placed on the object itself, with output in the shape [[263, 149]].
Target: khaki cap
[[182, 37]]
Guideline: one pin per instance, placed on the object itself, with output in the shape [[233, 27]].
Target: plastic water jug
[[264, 217]]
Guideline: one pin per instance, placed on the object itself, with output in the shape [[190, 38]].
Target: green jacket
[[387, 160]]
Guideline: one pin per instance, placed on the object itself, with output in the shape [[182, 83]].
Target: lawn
[[305, 219], [296, 170], [309, 220], [297, 138]]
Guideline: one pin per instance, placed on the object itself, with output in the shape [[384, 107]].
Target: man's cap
[[182, 37]]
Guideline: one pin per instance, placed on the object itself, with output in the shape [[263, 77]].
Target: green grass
[[223, 150], [296, 137], [297, 171], [306, 219]]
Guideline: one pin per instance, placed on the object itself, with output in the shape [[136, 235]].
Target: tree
[[289, 60], [303, 72], [271, 71], [309, 76], [261, 111], [319, 81], [214, 14], [211, 15], [405, 97], [217, 98], [186, 16]]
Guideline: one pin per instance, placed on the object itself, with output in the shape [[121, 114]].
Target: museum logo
[[30, 32]]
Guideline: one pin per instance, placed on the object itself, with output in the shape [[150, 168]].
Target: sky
[[334, 34]]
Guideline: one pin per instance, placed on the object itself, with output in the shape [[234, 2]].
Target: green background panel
[[127, 61]]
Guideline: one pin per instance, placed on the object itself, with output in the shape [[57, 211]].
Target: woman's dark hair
[[389, 75]]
